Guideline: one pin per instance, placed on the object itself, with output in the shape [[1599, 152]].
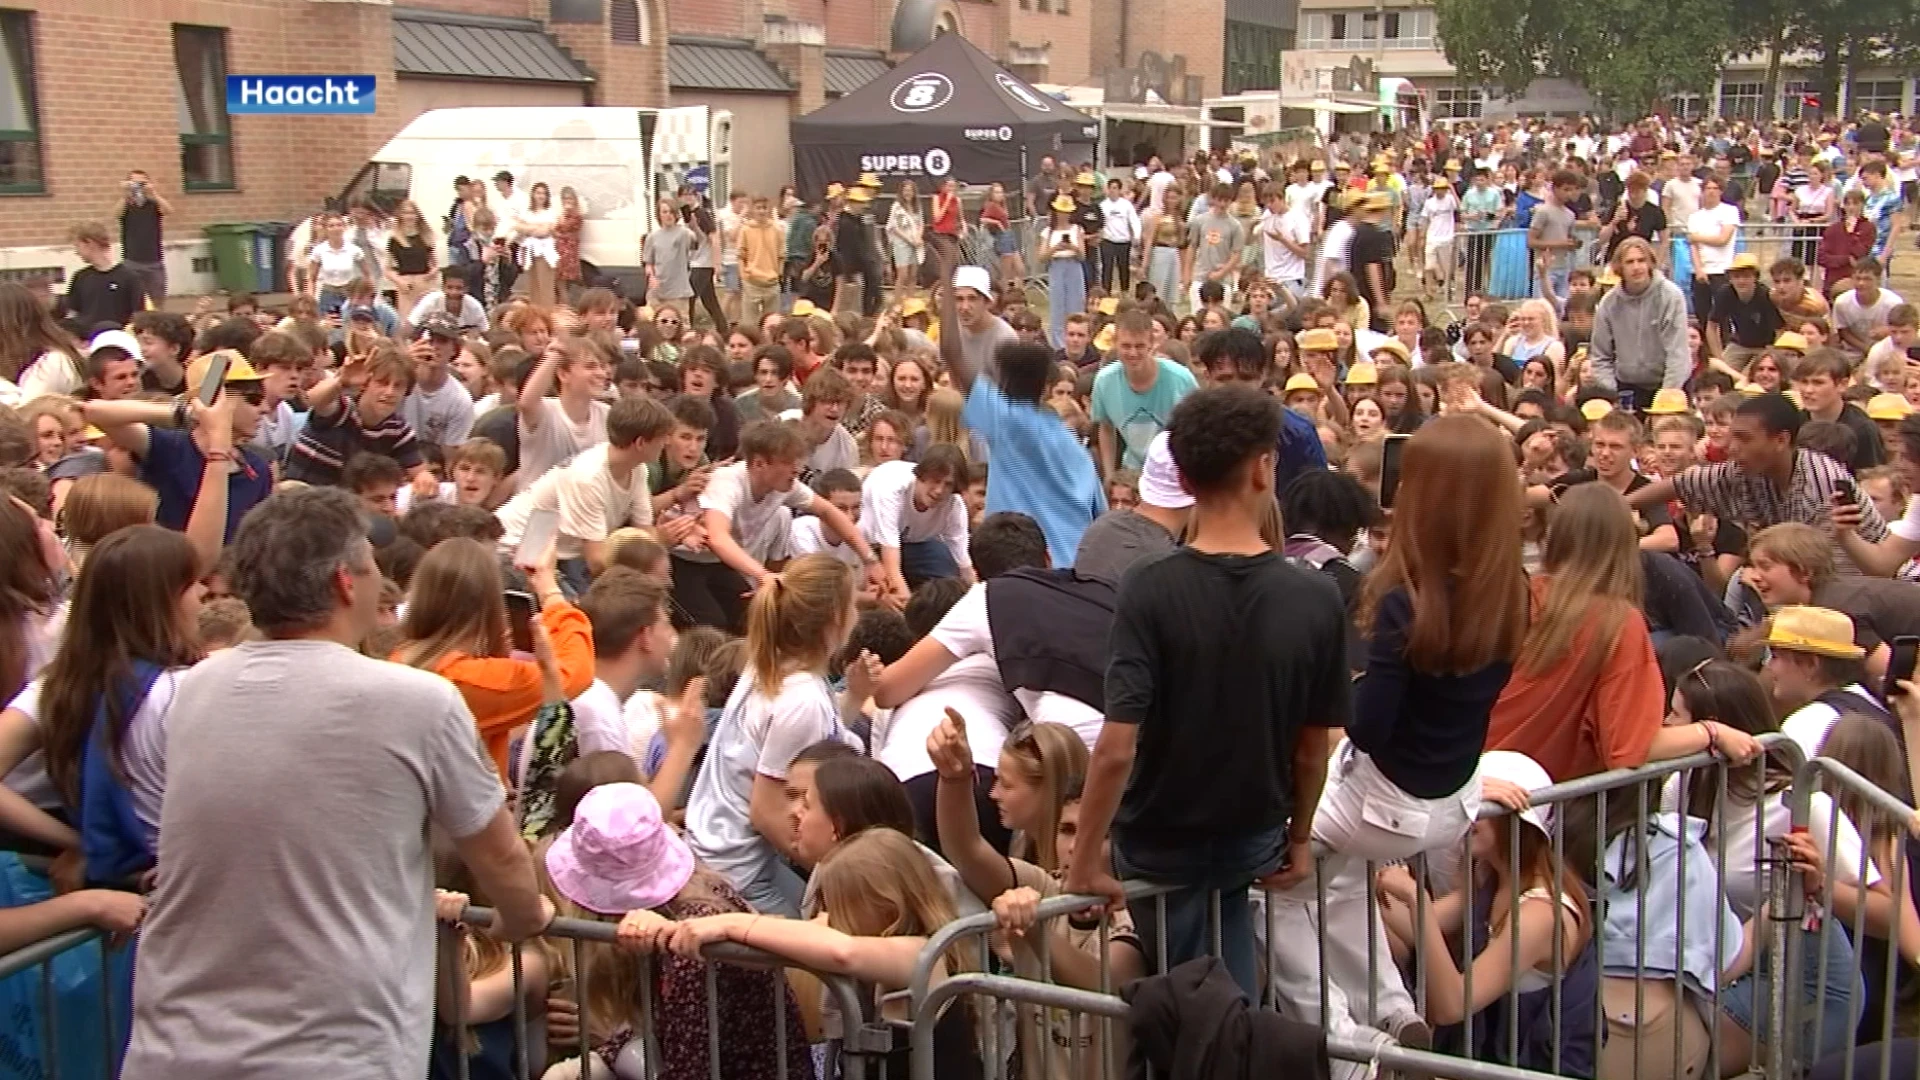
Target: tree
[[1627, 53]]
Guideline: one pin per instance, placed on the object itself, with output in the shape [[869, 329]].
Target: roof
[[721, 64], [849, 71], [948, 91], [440, 45]]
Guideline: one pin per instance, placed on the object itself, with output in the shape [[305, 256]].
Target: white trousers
[[1362, 816]]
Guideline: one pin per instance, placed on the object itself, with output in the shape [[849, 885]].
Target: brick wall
[[92, 134], [1070, 36], [720, 18], [513, 9]]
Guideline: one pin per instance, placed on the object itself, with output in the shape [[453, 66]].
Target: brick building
[[93, 88]]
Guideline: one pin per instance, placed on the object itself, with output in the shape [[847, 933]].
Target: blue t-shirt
[[1135, 417], [1299, 449], [1039, 468], [173, 466]]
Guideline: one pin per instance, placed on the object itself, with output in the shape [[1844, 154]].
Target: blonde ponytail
[[794, 623]]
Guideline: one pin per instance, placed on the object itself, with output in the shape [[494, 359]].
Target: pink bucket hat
[[618, 855]]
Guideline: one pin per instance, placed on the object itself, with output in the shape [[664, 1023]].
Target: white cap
[[114, 339], [975, 278], [1160, 483], [1522, 771]]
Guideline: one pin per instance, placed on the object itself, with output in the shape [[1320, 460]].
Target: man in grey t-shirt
[[1550, 237], [1214, 240], [982, 333], [1119, 538], [668, 256], [292, 930]]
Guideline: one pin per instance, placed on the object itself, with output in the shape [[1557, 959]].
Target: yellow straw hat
[[1888, 407], [1816, 630], [1595, 408], [1669, 402], [1301, 383]]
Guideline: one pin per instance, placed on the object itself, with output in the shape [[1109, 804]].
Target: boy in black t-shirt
[[1228, 672]]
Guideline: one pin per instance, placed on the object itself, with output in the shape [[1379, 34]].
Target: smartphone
[[215, 377], [520, 614], [1850, 492], [1626, 401], [1905, 651], [1390, 468], [542, 527]]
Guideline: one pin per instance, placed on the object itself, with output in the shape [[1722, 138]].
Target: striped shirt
[[331, 439], [1752, 502]]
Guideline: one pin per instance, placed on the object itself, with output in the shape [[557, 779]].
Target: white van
[[619, 161]]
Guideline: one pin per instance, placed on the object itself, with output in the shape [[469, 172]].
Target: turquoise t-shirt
[[1135, 417], [1039, 468]]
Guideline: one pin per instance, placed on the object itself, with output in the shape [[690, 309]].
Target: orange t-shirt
[[504, 693], [1576, 724]]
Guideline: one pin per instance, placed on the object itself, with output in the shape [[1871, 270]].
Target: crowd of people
[[809, 602]]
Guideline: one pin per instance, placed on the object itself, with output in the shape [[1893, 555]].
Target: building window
[[1742, 100], [1045, 6], [1253, 56], [206, 143], [1881, 96], [1410, 28], [623, 21], [1459, 103], [19, 108], [1313, 30], [1688, 106], [947, 23], [1793, 99]]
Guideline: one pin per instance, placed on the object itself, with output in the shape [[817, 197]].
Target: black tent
[[948, 110]]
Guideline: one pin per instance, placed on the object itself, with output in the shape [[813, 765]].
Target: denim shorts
[[730, 278]]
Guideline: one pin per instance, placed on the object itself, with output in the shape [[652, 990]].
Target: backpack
[[1309, 551], [112, 837]]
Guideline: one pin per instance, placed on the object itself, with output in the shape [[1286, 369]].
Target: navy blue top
[[1424, 731], [173, 467]]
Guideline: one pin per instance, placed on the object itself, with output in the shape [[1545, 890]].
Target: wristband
[[182, 416]]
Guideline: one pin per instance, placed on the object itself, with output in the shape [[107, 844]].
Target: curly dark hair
[[1215, 431]]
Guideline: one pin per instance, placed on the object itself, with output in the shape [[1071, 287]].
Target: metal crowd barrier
[[1654, 787], [44, 1037], [867, 1043], [1895, 822]]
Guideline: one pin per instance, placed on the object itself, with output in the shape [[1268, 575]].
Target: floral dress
[[748, 1040], [566, 236]]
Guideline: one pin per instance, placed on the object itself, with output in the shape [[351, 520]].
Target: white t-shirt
[[1681, 197], [599, 721], [889, 518], [1335, 246], [338, 265], [837, 451], [443, 417], [143, 755], [1441, 214], [558, 439], [1860, 319], [1810, 724], [1742, 878], [52, 372], [971, 688], [966, 632], [404, 501], [1157, 186], [590, 504], [1714, 258], [757, 736], [810, 537], [1295, 225], [757, 527]]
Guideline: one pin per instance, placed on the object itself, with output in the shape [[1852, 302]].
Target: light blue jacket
[[1673, 946]]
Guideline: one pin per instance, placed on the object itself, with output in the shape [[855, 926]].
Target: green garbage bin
[[233, 255]]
